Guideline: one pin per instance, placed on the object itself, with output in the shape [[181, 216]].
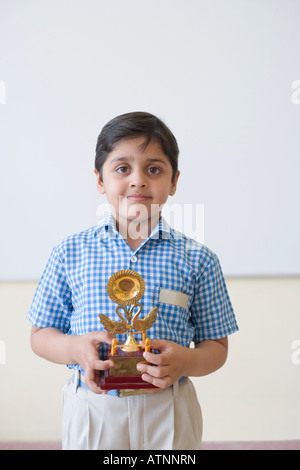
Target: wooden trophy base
[[124, 374]]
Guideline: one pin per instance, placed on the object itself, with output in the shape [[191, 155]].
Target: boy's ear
[[174, 184], [100, 186]]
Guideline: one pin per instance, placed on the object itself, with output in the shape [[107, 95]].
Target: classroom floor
[[262, 445]]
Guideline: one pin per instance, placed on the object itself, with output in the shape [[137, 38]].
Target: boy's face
[[137, 181]]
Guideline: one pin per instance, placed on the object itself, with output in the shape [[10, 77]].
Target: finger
[[156, 359], [102, 365], [162, 383], [92, 377], [92, 380], [154, 371], [94, 385]]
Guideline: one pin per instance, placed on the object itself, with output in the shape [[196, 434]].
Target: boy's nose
[[138, 180]]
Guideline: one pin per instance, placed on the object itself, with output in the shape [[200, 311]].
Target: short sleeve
[[211, 311], [52, 302]]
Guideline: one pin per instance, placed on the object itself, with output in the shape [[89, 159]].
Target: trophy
[[126, 288]]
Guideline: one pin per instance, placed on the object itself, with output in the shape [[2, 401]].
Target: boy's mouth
[[138, 198]]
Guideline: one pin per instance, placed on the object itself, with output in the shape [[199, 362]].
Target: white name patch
[[173, 297]]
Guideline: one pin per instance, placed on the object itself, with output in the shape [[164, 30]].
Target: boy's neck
[[136, 232]]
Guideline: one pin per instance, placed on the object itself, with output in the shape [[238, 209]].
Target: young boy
[[136, 168]]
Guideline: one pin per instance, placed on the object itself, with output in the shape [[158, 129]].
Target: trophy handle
[[147, 344], [113, 349], [146, 341]]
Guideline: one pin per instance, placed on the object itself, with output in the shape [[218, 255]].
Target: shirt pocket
[[173, 315]]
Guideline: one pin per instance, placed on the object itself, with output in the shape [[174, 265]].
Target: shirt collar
[[106, 224], [161, 231]]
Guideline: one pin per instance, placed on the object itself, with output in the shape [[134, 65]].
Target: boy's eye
[[154, 170], [122, 169]]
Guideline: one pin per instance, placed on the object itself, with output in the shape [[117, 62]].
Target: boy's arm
[[175, 361], [55, 346]]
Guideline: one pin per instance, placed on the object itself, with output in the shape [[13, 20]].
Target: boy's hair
[[131, 125]]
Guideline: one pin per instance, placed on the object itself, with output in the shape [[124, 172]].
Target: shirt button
[[133, 259]]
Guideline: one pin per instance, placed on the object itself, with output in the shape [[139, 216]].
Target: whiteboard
[[223, 74]]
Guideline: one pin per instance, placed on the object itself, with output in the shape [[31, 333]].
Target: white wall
[[255, 396], [220, 72]]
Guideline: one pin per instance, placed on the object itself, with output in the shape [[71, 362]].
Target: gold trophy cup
[[126, 287]]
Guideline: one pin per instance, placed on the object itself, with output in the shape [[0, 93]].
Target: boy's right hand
[[56, 346], [88, 358]]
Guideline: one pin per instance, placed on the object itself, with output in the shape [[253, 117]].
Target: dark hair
[[131, 125]]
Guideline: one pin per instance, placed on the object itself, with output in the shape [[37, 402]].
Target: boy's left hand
[[166, 367]]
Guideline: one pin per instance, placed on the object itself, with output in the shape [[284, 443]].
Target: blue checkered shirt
[[72, 290]]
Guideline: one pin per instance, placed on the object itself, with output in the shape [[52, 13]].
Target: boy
[[136, 168]]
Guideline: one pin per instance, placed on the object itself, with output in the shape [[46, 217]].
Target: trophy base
[[124, 374]]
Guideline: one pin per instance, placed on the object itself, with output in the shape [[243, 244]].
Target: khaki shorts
[[167, 420]]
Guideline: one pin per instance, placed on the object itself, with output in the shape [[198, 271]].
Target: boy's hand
[[175, 361], [88, 358], [167, 366]]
